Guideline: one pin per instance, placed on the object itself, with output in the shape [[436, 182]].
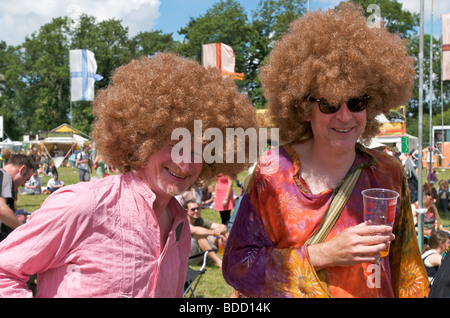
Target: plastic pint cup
[[379, 207]]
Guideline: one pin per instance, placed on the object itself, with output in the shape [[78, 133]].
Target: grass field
[[212, 284]]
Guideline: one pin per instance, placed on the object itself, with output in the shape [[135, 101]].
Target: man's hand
[[359, 244], [7, 215]]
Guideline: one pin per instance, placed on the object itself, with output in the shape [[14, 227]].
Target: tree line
[[35, 79]]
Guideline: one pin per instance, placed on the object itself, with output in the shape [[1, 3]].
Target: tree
[[36, 92], [413, 107], [44, 58], [225, 22], [148, 43], [9, 63], [270, 21], [395, 18], [110, 43]]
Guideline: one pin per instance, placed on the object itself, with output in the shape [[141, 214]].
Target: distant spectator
[[16, 172], [443, 194], [100, 167], [224, 195], [431, 177], [207, 195], [205, 234], [6, 154], [431, 219], [413, 179], [432, 257], [72, 160], [84, 164], [34, 185], [54, 184], [51, 169]]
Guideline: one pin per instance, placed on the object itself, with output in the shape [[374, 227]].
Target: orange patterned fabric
[[266, 254]]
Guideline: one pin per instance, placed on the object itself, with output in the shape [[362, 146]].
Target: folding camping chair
[[193, 276]]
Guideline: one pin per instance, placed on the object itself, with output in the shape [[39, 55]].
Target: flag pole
[[420, 237], [431, 91], [442, 109]]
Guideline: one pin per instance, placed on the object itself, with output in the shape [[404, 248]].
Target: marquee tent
[[61, 142]]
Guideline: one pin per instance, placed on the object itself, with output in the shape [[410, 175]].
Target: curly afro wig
[[148, 98], [334, 54]]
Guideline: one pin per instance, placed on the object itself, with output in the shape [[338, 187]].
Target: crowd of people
[[43, 167], [297, 227], [436, 196]]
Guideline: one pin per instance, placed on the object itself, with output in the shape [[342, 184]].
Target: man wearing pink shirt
[[126, 235]]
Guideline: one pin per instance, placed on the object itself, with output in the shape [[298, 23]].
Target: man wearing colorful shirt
[[267, 254], [325, 82]]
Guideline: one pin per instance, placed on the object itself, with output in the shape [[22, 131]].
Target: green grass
[[33, 202]]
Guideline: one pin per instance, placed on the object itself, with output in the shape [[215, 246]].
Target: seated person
[[431, 219], [54, 184], [432, 257], [207, 195], [33, 186], [51, 169], [205, 235]]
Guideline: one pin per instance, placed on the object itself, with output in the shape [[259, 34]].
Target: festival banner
[[222, 57], [83, 68]]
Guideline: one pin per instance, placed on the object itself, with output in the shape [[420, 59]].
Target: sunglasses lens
[[353, 104], [327, 108], [358, 104]]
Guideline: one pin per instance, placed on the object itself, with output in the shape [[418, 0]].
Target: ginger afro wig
[[334, 54], [148, 98]]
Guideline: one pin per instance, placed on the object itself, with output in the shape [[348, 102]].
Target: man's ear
[[23, 170]]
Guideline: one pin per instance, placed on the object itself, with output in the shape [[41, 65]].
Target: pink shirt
[[97, 239], [221, 191]]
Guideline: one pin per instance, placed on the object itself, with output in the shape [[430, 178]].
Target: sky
[[20, 18]]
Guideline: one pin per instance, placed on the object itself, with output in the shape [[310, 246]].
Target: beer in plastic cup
[[379, 207]]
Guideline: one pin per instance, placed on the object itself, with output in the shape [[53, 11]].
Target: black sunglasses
[[355, 105]]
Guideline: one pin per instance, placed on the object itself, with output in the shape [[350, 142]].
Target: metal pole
[[442, 110], [420, 213], [420, 104], [431, 91]]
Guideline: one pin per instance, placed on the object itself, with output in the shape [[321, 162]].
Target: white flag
[[222, 57], [445, 46], [82, 75]]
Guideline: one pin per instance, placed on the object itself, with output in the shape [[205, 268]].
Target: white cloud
[[21, 18], [439, 7]]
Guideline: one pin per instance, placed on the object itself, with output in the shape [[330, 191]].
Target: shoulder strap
[[334, 211], [428, 253]]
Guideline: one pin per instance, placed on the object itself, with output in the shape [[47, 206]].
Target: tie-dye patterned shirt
[[266, 254]]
